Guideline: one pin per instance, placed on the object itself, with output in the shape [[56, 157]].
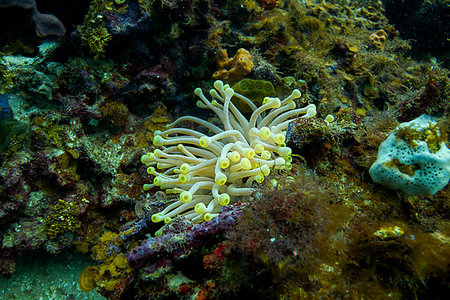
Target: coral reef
[[80, 110]]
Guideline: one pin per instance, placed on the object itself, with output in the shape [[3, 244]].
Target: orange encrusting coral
[[88, 278], [233, 69]]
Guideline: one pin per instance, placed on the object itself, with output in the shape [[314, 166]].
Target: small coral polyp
[[209, 172]]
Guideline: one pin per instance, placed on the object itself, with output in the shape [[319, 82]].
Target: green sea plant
[[96, 38], [93, 32]]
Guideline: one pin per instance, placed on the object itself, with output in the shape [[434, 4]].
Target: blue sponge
[[410, 160]]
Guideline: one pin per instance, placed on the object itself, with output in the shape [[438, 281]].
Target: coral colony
[[209, 171]]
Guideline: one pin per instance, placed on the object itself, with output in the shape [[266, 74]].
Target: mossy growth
[[432, 136], [252, 5], [87, 77], [404, 168], [145, 6], [62, 218], [13, 136], [300, 241], [6, 77], [285, 241], [399, 258], [93, 32], [309, 24], [116, 113], [96, 38], [49, 129]]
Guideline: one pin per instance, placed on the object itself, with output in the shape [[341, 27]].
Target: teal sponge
[[414, 159]]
